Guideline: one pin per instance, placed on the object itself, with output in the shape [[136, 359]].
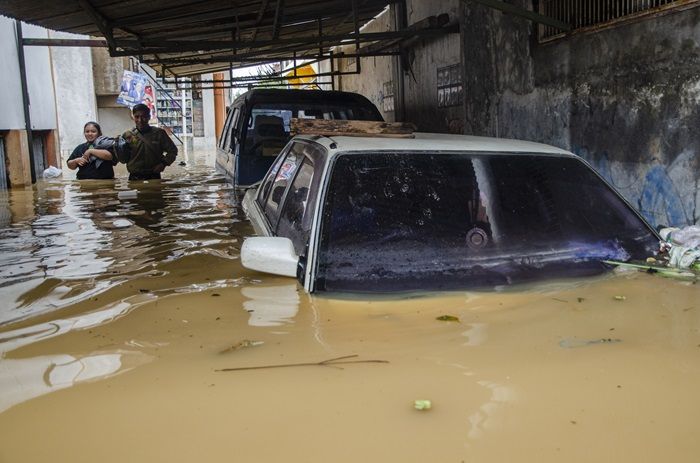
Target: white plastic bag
[[52, 172]]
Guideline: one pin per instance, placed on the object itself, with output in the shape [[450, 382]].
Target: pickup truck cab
[[258, 123], [436, 212]]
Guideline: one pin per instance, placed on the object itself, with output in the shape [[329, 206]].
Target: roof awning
[[185, 37]]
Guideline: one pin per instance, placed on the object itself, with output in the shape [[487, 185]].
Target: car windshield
[[436, 221]]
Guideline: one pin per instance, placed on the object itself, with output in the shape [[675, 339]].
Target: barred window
[[589, 14], [388, 97], [449, 86]]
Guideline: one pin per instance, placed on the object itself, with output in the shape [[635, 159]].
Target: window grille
[[591, 14], [388, 97]]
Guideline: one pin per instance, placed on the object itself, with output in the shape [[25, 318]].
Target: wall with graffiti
[[626, 99]]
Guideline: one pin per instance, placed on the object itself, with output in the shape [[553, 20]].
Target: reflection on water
[[21, 380], [77, 239], [271, 306], [122, 300]]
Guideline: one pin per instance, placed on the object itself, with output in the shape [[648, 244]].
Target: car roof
[[278, 95], [433, 142]]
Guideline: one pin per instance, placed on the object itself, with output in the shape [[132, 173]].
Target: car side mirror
[[270, 254]]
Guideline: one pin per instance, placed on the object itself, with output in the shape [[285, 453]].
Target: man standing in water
[[145, 159]]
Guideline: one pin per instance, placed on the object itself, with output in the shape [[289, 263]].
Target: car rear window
[[313, 110], [434, 221]]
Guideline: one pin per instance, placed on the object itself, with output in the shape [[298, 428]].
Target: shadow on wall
[[666, 195]]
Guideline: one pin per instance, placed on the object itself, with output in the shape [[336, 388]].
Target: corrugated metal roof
[[181, 37]]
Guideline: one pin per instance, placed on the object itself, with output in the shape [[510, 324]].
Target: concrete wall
[[42, 100], [75, 91], [42, 106], [107, 74], [627, 99], [12, 114], [107, 71], [375, 71], [425, 57]]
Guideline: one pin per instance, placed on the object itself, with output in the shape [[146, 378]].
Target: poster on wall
[[149, 99], [133, 89]]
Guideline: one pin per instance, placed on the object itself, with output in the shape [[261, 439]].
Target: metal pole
[[400, 23], [332, 71], [25, 96]]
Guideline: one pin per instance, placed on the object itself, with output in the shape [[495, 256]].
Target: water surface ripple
[[65, 240]]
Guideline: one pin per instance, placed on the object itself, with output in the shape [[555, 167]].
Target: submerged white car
[[435, 212]]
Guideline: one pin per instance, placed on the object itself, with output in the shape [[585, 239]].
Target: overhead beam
[[258, 20], [277, 23], [64, 43], [292, 21], [100, 21], [264, 59], [261, 59], [524, 13], [149, 47]]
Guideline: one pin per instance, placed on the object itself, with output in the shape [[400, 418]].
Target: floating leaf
[[619, 298], [447, 318], [422, 404]]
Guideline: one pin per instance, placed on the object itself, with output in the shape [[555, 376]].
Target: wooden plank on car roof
[[351, 128]]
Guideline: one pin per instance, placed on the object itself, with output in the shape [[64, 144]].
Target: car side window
[[224, 136], [269, 179], [284, 175], [230, 128], [294, 220]]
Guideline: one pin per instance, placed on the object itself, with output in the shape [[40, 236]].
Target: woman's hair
[[96, 125]]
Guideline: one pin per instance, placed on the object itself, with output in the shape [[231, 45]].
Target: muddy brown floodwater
[[121, 301]]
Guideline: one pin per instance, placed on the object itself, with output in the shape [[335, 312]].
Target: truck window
[[229, 129]]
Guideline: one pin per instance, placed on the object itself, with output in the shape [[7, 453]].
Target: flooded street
[[121, 303]]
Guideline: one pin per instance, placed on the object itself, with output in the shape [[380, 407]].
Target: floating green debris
[[447, 318], [666, 272], [619, 298], [422, 404]]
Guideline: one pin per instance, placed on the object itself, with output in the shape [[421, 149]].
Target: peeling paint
[[627, 99]]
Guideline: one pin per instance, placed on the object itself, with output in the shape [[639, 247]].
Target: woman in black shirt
[[92, 162]]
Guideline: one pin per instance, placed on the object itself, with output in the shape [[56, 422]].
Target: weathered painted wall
[[42, 106], [627, 99], [75, 91], [425, 58], [12, 114], [107, 71], [420, 80], [375, 71], [42, 102]]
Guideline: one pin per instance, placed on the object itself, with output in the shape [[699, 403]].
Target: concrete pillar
[[219, 106], [17, 155], [52, 149]]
